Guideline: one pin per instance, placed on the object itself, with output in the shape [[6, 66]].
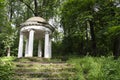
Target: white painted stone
[[39, 49], [24, 29], [46, 49], [26, 47], [50, 48], [20, 49], [30, 44]]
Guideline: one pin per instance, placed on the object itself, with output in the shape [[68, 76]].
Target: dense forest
[[82, 27], [85, 42]]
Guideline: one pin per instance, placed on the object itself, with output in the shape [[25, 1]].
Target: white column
[[26, 47], [20, 49], [46, 49], [30, 43], [39, 49], [50, 48]]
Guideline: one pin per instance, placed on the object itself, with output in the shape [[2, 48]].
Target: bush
[[96, 68], [6, 68]]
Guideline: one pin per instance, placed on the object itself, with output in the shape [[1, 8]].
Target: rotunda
[[35, 28]]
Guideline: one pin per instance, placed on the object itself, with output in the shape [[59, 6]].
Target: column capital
[[31, 30], [47, 32], [21, 33]]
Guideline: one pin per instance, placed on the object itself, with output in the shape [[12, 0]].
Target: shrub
[[96, 68], [6, 68]]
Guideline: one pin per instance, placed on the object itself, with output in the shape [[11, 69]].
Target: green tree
[[7, 33], [43, 8], [8, 36], [77, 21], [3, 22], [89, 20]]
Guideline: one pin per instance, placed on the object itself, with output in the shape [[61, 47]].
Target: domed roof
[[36, 19]]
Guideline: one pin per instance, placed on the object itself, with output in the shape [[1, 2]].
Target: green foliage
[[75, 15], [2, 14], [6, 68], [113, 32], [96, 68], [8, 37], [45, 8]]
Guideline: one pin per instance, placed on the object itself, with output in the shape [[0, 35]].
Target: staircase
[[43, 69]]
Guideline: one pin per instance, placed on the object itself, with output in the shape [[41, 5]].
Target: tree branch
[[36, 7], [28, 6]]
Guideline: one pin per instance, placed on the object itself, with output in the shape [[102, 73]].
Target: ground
[[43, 69]]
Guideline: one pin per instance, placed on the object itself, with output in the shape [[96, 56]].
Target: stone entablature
[[36, 24]]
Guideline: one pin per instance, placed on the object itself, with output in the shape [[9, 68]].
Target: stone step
[[42, 73], [45, 65], [40, 79], [42, 66], [36, 59], [45, 74], [45, 69], [49, 73], [44, 62]]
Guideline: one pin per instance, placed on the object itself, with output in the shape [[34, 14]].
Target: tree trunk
[[11, 11], [88, 37], [93, 40], [36, 7], [116, 47], [8, 52]]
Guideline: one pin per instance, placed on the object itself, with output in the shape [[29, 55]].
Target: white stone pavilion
[[35, 28]]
